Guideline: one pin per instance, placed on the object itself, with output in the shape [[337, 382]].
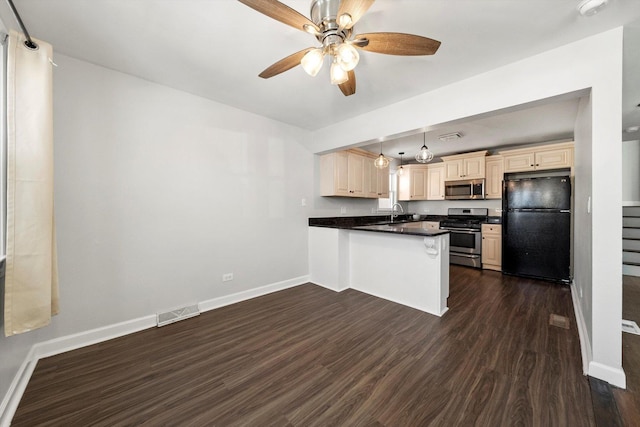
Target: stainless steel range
[[466, 235]]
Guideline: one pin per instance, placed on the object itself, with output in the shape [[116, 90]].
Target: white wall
[[631, 173], [582, 217], [594, 62], [158, 193]]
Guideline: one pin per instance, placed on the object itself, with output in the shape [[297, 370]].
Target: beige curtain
[[31, 281]]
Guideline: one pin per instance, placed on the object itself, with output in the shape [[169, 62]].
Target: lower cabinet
[[492, 247], [425, 225]]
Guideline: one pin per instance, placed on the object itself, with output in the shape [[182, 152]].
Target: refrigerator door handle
[[565, 211]]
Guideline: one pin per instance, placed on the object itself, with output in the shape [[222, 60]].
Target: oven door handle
[[465, 255], [461, 230]]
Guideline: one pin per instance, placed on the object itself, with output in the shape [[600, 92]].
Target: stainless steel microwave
[[468, 189]]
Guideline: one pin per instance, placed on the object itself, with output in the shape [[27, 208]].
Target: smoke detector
[[591, 7]]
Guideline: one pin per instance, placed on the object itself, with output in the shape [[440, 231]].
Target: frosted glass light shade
[[381, 162], [400, 171], [424, 155], [312, 62], [338, 74], [347, 56]]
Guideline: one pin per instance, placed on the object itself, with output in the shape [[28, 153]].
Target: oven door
[[465, 240]]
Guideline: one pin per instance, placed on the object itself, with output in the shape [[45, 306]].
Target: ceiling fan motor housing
[[324, 13]]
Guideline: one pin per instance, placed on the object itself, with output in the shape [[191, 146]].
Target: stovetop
[[471, 218]]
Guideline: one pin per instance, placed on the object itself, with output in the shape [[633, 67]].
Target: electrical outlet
[[303, 202], [227, 277], [425, 210], [343, 210]]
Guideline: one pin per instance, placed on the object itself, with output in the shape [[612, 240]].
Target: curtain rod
[[29, 43]]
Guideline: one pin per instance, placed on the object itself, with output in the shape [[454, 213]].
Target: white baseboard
[[585, 344], [331, 288], [401, 302], [16, 390], [614, 376], [251, 293], [83, 339]]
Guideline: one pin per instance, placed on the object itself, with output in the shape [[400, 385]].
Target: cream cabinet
[[435, 181], [351, 173], [494, 169], [555, 156], [464, 166], [492, 247], [412, 184]]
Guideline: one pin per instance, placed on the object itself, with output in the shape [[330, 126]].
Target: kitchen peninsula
[[399, 262]]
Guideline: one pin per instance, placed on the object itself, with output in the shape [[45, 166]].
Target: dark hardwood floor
[[628, 401], [308, 356]]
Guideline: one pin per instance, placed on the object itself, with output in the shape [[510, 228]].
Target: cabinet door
[[453, 170], [418, 180], [356, 171], [492, 246], [435, 182], [554, 159], [473, 168], [495, 175], [519, 162], [334, 176], [371, 174], [383, 183], [404, 186]]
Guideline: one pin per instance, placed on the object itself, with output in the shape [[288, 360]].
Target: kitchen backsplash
[[440, 207]]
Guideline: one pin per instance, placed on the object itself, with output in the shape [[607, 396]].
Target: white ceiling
[[217, 48]]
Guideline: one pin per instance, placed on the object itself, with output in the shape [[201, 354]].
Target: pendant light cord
[[28, 43]]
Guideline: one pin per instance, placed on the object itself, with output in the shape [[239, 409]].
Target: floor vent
[[177, 314], [630, 326], [559, 321]]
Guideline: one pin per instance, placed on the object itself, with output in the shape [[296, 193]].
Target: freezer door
[[552, 193], [537, 244]]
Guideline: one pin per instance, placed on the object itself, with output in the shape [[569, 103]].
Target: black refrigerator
[[536, 227]]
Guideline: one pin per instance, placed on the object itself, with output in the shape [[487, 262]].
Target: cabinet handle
[[537, 164], [531, 165]]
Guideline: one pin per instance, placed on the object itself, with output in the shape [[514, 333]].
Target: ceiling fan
[[332, 24]]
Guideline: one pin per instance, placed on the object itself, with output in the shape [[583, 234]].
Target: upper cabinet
[[495, 174], [351, 173], [555, 156], [464, 166], [435, 181], [412, 184]]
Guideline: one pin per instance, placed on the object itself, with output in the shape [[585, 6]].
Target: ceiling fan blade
[[349, 87], [355, 8], [280, 12], [284, 64], [398, 44]]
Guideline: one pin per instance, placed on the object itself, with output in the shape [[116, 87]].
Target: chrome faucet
[[393, 210]]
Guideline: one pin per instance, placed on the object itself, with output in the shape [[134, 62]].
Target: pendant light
[[400, 171], [424, 155], [381, 162]]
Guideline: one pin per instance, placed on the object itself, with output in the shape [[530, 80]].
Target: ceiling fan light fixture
[[338, 74], [347, 56], [312, 62], [591, 7], [344, 20]]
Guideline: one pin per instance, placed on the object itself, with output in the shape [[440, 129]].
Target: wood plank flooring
[[310, 357], [628, 401]]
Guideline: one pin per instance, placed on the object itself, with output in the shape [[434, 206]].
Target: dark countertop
[[399, 229], [356, 221], [380, 224]]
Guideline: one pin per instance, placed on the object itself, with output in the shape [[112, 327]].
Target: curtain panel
[[31, 280]]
